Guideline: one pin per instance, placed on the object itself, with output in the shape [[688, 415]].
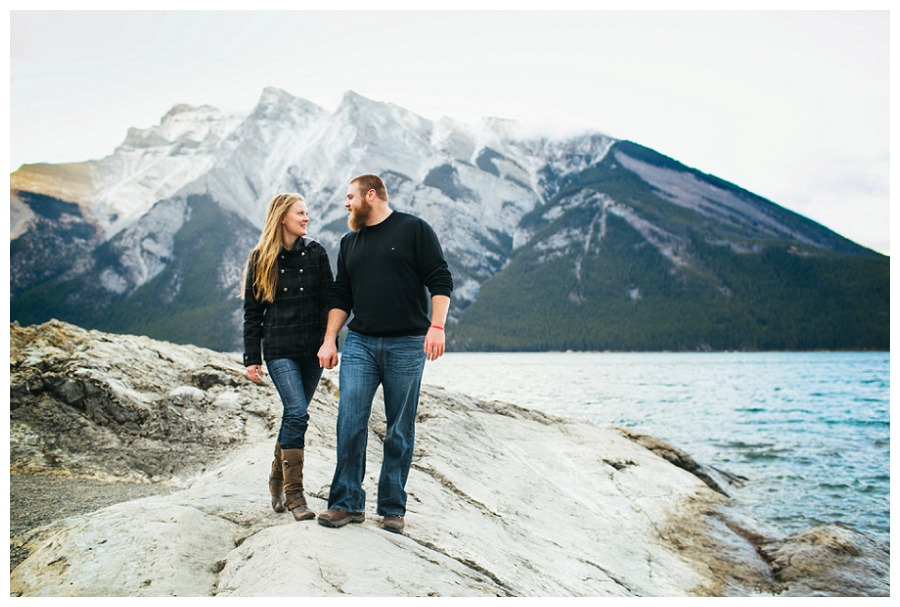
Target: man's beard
[[358, 217]]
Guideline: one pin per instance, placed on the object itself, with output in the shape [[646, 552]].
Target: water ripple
[[811, 431]]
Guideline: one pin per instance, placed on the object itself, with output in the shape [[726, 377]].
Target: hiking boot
[[276, 481], [393, 523], [294, 500], [338, 518]]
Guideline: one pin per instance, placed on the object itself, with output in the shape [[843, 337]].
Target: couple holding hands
[[388, 265]]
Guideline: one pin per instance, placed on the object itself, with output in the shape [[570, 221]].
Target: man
[[385, 265]]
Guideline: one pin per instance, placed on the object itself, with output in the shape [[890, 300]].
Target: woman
[[286, 286]]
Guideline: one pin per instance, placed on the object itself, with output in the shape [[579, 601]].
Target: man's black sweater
[[383, 272]]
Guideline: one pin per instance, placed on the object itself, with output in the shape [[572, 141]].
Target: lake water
[[811, 431]]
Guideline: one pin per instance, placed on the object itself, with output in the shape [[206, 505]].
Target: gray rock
[[830, 560], [503, 500], [126, 407]]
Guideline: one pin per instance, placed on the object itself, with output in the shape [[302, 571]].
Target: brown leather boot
[[276, 481], [292, 463]]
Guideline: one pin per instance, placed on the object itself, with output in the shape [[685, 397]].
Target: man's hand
[[434, 343], [328, 356]]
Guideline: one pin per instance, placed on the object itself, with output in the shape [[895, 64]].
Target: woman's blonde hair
[[263, 257]]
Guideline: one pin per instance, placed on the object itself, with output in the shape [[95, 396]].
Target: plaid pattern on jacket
[[293, 325]]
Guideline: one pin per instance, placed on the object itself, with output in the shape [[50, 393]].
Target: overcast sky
[[793, 106]]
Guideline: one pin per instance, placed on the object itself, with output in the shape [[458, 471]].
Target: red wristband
[[438, 327]]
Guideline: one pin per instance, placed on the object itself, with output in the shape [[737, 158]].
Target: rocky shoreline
[[110, 430]]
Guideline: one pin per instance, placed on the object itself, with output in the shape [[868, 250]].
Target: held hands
[[328, 356], [254, 372], [434, 342], [434, 348]]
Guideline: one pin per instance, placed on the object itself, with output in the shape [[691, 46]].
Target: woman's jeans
[[296, 382], [396, 363]]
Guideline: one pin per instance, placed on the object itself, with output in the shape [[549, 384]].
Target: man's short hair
[[371, 182]]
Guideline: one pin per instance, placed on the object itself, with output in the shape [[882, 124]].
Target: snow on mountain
[[495, 193], [150, 165], [472, 182], [289, 144], [255, 160]]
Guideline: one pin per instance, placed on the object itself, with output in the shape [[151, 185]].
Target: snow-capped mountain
[[182, 202]]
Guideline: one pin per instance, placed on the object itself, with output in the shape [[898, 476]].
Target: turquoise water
[[811, 431]]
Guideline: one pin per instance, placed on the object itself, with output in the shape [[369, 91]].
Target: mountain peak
[[184, 123], [180, 110], [608, 233], [272, 95], [277, 103], [352, 103], [351, 97]]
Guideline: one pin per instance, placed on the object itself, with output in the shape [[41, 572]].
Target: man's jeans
[[296, 383], [397, 364]]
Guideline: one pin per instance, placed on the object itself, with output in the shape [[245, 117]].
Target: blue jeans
[[296, 382], [396, 363]]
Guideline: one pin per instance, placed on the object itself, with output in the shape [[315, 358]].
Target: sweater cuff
[[441, 291]]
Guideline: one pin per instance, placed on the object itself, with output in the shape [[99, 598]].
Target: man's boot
[[292, 462], [276, 481]]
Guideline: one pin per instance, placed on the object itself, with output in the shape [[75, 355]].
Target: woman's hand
[[254, 372]]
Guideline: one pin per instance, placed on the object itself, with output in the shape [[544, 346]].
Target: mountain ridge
[[620, 227]]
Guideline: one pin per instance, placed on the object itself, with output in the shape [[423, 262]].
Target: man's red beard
[[358, 217]]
